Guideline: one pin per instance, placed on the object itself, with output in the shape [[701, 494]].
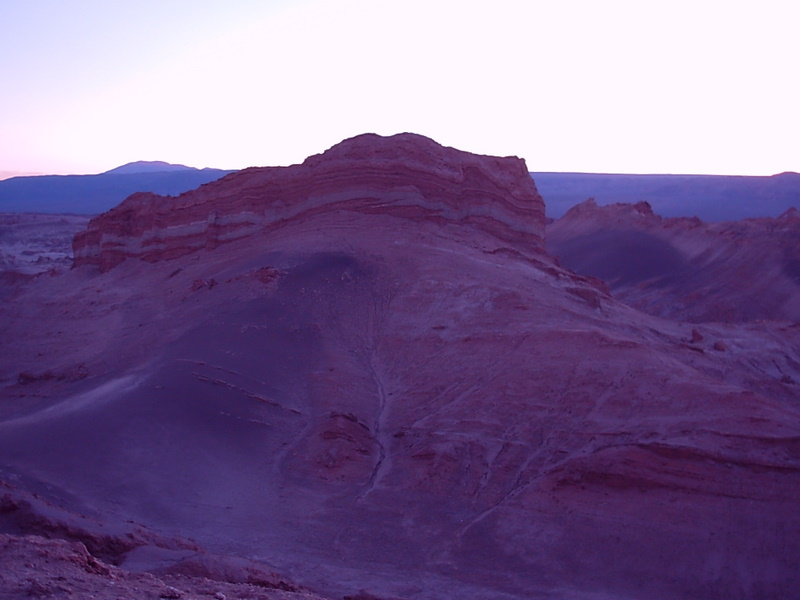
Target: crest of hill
[[148, 166], [405, 175]]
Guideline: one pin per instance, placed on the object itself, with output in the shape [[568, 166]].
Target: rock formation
[[365, 373], [683, 268], [404, 175]]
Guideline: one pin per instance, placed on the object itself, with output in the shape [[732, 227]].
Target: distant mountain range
[[709, 197], [94, 194], [148, 166]]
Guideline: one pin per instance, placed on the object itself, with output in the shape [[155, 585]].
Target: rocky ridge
[[683, 268]]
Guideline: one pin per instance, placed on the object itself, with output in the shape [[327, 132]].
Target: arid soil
[[366, 375]]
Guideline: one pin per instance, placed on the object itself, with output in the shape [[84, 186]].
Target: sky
[[699, 86]]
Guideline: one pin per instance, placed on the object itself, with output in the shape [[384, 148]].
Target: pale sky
[[699, 86]]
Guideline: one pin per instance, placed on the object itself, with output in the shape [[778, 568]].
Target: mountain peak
[[792, 214], [147, 166]]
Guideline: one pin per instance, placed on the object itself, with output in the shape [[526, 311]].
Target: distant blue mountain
[[709, 197], [94, 194], [147, 166]]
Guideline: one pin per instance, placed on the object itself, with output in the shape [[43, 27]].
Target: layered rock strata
[[406, 175]]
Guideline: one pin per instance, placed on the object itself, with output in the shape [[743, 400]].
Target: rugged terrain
[[32, 243], [366, 373], [684, 268]]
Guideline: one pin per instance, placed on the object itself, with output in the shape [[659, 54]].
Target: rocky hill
[[684, 268], [405, 176], [365, 373]]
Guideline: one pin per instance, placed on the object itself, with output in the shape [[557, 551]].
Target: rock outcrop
[[683, 268], [406, 175], [38, 567]]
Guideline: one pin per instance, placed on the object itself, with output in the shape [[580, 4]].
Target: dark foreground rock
[[37, 567]]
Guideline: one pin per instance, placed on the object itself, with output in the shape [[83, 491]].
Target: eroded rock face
[[406, 175], [683, 268]]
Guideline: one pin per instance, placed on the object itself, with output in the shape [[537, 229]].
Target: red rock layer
[[403, 175]]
